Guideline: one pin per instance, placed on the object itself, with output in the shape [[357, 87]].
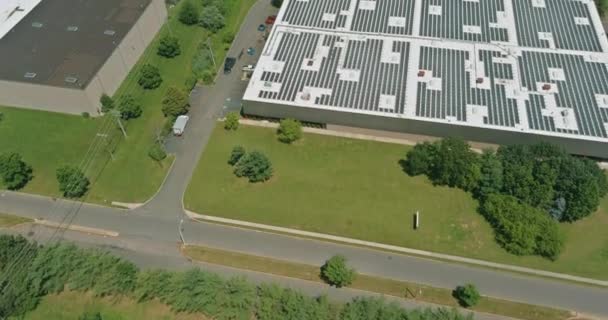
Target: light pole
[[211, 52], [181, 232]]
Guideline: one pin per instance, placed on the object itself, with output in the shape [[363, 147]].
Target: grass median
[[357, 189], [8, 220], [385, 286]]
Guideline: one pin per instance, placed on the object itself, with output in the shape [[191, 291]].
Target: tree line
[[524, 190], [54, 268]]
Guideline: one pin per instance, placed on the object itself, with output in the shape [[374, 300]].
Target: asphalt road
[[148, 235]]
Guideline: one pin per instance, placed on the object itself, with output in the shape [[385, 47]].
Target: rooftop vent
[[71, 79], [421, 73], [306, 96], [37, 25], [546, 87], [109, 32], [72, 28], [29, 75], [479, 80]]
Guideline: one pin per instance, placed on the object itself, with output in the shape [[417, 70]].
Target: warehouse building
[[499, 71], [62, 55]]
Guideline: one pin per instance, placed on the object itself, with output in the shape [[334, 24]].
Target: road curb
[[89, 230], [392, 248]]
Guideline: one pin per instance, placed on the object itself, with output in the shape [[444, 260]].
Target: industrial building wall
[[34, 96], [118, 66], [574, 146]]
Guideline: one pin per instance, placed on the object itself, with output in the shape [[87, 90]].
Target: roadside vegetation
[[124, 169], [31, 272], [8, 220], [336, 270], [358, 189]]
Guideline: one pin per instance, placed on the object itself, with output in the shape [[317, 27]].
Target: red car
[[270, 19]]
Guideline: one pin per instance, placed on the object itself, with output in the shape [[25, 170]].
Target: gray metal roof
[[65, 42], [536, 66]]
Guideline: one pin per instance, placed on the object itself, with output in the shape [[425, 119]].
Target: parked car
[[180, 125], [229, 64]]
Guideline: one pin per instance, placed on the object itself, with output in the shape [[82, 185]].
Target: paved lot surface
[[149, 235]]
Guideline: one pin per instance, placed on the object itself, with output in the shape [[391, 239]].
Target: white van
[[180, 125]]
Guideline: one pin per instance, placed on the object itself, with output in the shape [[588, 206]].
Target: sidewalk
[[385, 247]]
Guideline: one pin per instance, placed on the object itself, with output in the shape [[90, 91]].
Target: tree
[[455, 165], [14, 171], [149, 77], [169, 47], [175, 103], [490, 179], [255, 166], [289, 130], [90, 316], [232, 121], [420, 159], [237, 153], [602, 6], [336, 272], [129, 108], [188, 13], [467, 295], [212, 19], [520, 228], [72, 182], [157, 153], [107, 103], [276, 3]]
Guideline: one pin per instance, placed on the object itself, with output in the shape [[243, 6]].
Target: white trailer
[[180, 125]]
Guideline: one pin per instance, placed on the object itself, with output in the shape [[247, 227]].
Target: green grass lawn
[[357, 189], [7, 220], [71, 305], [49, 140]]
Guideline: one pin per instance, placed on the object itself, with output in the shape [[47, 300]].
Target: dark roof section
[[64, 43]]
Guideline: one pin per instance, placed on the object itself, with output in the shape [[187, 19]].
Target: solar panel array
[[536, 66]]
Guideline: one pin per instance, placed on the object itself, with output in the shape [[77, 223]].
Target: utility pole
[[116, 115], [181, 232], [211, 52]]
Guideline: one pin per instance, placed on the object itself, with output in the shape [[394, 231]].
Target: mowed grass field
[[71, 305], [357, 189]]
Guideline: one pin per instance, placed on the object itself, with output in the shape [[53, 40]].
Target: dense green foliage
[[129, 108], [14, 171], [337, 273], [237, 153], [276, 3], [232, 121], [467, 295], [157, 152], [72, 181], [169, 47], [90, 316], [523, 189], [602, 6], [149, 77], [289, 130], [520, 228], [255, 166], [175, 103], [188, 13], [107, 103], [212, 19], [52, 269]]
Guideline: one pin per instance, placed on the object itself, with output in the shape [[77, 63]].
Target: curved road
[[155, 225]]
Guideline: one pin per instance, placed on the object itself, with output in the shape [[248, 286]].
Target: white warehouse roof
[[12, 11], [534, 66]]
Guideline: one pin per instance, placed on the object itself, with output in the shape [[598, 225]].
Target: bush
[[336, 272], [520, 228], [255, 166], [289, 130], [237, 153], [129, 108], [14, 171], [107, 103], [212, 19], [228, 37], [72, 182], [208, 76], [149, 77], [175, 103], [276, 3], [157, 153], [491, 175], [232, 121], [90, 316], [467, 295], [169, 47], [420, 159], [188, 13], [85, 115]]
